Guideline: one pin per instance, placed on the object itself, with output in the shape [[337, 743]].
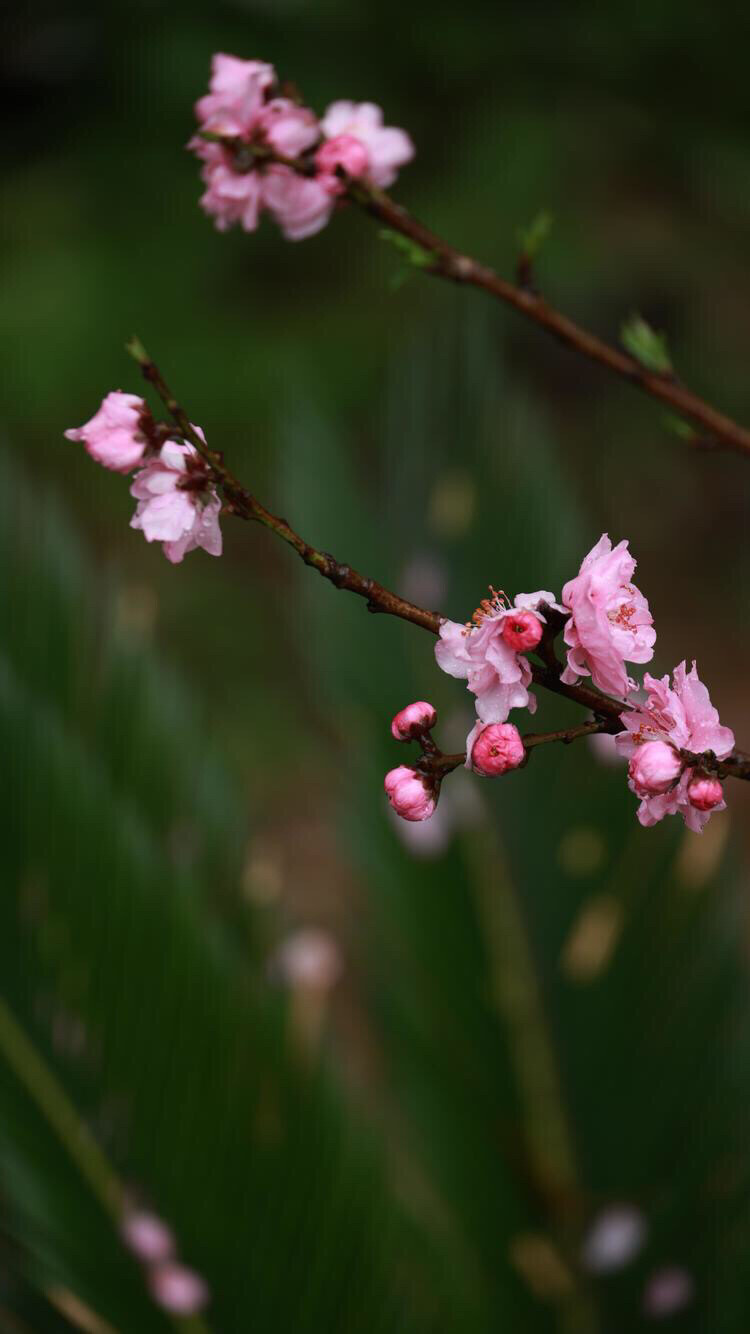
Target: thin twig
[[607, 712], [443, 260]]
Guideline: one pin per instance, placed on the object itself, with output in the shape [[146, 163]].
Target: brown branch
[[607, 712], [443, 260]]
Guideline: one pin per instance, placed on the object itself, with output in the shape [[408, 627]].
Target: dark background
[[542, 1009]]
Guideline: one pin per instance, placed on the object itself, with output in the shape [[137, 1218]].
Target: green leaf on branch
[[532, 238], [413, 256], [646, 345]]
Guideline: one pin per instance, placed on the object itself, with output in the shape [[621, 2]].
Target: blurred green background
[[532, 1022]]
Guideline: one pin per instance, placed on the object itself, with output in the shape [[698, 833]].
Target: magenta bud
[[522, 631], [705, 793], [654, 767], [497, 749], [413, 721], [409, 794]]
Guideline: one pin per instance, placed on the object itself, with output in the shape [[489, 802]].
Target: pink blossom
[[177, 504], [237, 93], [230, 196], [237, 188], [610, 622], [178, 1289], [705, 793], [654, 768], [494, 749], [115, 436], [148, 1237], [301, 205], [346, 152], [387, 148], [412, 721], [409, 794], [479, 654], [682, 716], [523, 631], [615, 1237]]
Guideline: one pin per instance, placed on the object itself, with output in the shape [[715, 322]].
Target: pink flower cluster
[[177, 500], [673, 739], [246, 125], [658, 730], [173, 1286]]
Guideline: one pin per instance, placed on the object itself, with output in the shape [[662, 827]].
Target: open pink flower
[[177, 504], [479, 654], [387, 148], [301, 205], [237, 92], [610, 623], [114, 436], [240, 107], [682, 716]]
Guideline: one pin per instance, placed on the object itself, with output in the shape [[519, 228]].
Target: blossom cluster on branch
[[246, 124], [262, 151], [673, 738]]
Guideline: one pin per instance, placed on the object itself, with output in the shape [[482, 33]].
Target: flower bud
[[114, 435], [412, 721], [654, 767], [342, 151], [522, 631], [497, 749], [148, 1237], [409, 794], [705, 793]]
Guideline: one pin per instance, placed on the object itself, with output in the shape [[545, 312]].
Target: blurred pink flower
[[177, 1289], [177, 504], [301, 205], [408, 793], [238, 106], [615, 1237], [114, 436], [236, 95], [682, 716], [148, 1237], [610, 621], [309, 959], [387, 148], [343, 151]]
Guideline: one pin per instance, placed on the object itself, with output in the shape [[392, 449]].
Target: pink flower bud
[[412, 721], [409, 794], [148, 1238], [114, 436], [654, 767], [522, 631], [705, 793], [342, 151], [497, 749], [178, 1289]]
